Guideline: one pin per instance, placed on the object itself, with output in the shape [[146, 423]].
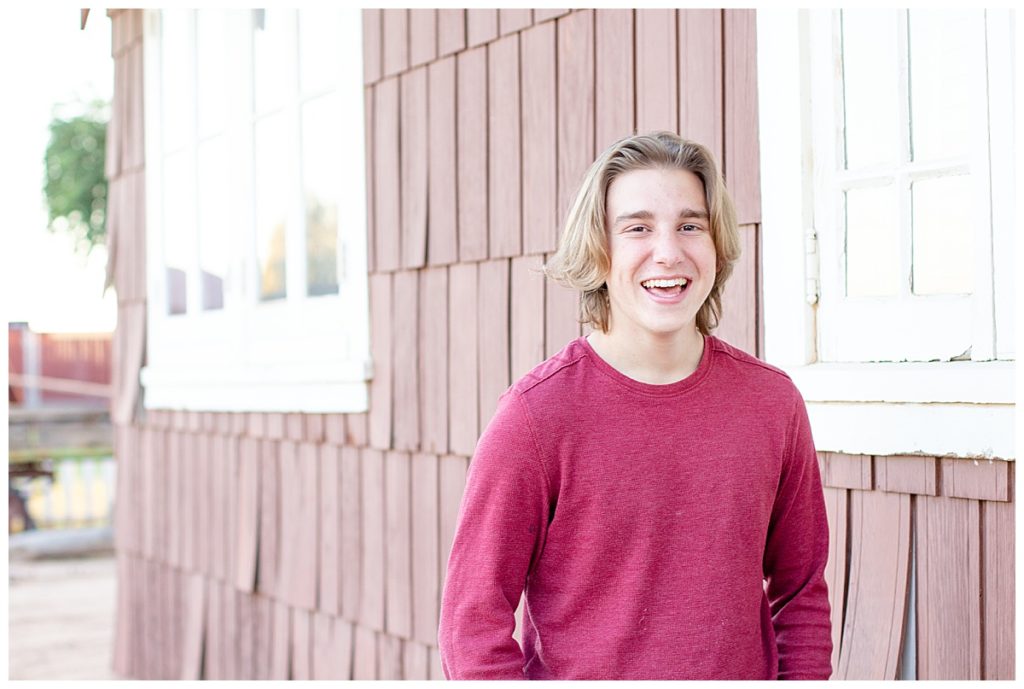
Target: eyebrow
[[647, 215]]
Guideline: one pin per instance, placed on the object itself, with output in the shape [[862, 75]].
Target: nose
[[667, 250]]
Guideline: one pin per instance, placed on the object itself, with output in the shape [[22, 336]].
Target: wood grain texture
[[425, 548], [657, 82], [614, 76], [422, 36], [847, 471], [301, 644], [561, 317], [364, 659], [837, 510], [321, 656], [351, 533], [389, 658], [462, 358], [738, 324], [406, 361], [575, 103], [398, 561], [329, 581], [203, 487], [471, 100], [371, 607], [907, 474], [539, 160], [247, 534], [414, 161], [229, 626], [742, 155], [281, 644], [442, 205], [451, 31], [195, 618], [341, 655], [481, 26], [246, 635], [948, 588], [216, 527], [527, 314], [356, 431], [700, 78], [387, 177], [452, 479], [369, 146], [513, 20], [542, 15], [493, 329], [396, 41], [504, 143], [264, 636], [997, 590], [879, 576], [433, 368], [379, 415], [975, 478], [415, 660], [270, 519]]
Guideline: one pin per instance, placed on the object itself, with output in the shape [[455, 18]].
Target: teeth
[[664, 283]]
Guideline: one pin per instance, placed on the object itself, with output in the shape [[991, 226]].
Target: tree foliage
[[75, 186]]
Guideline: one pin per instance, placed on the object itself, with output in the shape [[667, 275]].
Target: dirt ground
[[61, 618]]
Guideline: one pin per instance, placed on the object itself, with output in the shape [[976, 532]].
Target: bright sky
[[48, 60]]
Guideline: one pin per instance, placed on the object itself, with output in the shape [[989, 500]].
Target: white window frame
[[953, 408], [295, 354]]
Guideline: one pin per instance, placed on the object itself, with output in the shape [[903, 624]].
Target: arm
[[501, 527], [794, 561]]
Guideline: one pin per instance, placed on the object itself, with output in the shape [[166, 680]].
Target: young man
[[653, 490]]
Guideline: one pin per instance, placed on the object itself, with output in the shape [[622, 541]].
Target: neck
[[648, 358]]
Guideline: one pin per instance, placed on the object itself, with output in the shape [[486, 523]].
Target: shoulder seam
[[538, 381], [752, 361], [536, 446]]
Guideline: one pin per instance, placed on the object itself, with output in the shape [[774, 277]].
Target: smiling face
[[662, 253]]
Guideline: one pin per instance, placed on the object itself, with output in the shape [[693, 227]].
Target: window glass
[[321, 137], [872, 242], [870, 86], [213, 221], [179, 228], [271, 206], [269, 58], [319, 55], [176, 77], [211, 47], [943, 235]]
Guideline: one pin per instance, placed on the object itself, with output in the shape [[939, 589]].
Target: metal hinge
[[812, 286]]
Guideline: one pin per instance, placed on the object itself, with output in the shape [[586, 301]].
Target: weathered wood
[[245, 638], [389, 658], [481, 26], [975, 478], [246, 537], [997, 590], [539, 195], [451, 31], [341, 642], [462, 358], [738, 325], [270, 519], [387, 200], [433, 368], [406, 362], [351, 533], [575, 103], [364, 661], [527, 315], [561, 312], [301, 645], [493, 346], [847, 471], [542, 15], [414, 158], [442, 205], [264, 633], [879, 576], [329, 596], [415, 658], [396, 41], [422, 36], [656, 78], [371, 608], [216, 527], [837, 510], [425, 548], [321, 650], [471, 99], [948, 588], [504, 143], [614, 90], [398, 565], [513, 20], [380, 348], [907, 474], [280, 650], [194, 627], [700, 78], [202, 485], [742, 155], [229, 628]]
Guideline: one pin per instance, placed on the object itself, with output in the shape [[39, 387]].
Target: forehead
[[655, 189]]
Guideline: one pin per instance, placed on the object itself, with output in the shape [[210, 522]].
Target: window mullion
[[983, 346], [295, 239], [903, 180]]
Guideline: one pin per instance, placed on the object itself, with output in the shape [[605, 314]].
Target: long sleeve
[[794, 563], [501, 528]]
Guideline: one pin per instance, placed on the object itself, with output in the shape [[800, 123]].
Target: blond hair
[[582, 262]]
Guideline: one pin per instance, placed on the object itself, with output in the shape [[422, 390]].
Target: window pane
[[870, 86], [321, 145], [271, 205], [943, 236], [872, 242], [940, 82], [213, 220], [269, 34], [211, 40], [179, 228], [319, 56], [176, 65]]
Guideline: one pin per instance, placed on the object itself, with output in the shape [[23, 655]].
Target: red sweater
[[659, 531]]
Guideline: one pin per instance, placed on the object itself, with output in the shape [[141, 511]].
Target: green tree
[[75, 187]]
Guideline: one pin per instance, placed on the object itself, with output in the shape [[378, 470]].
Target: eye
[[691, 228], [636, 228]]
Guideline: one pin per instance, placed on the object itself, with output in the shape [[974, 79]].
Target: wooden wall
[[256, 545]]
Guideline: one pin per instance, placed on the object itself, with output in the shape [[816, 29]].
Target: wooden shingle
[[301, 644], [373, 45], [656, 78], [396, 41], [425, 548], [481, 26], [246, 536], [981, 479], [527, 315], [351, 534], [328, 599], [700, 78], [742, 155], [997, 590], [561, 316], [406, 361], [379, 416], [442, 205], [539, 195], [270, 519], [387, 177], [614, 75], [414, 160], [493, 327], [513, 20], [398, 565], [371, 607], [471, 132], [907, 474], [422, 36], [451, 31], [462, 358], [503, 155], [575, 103], [433, 368]]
